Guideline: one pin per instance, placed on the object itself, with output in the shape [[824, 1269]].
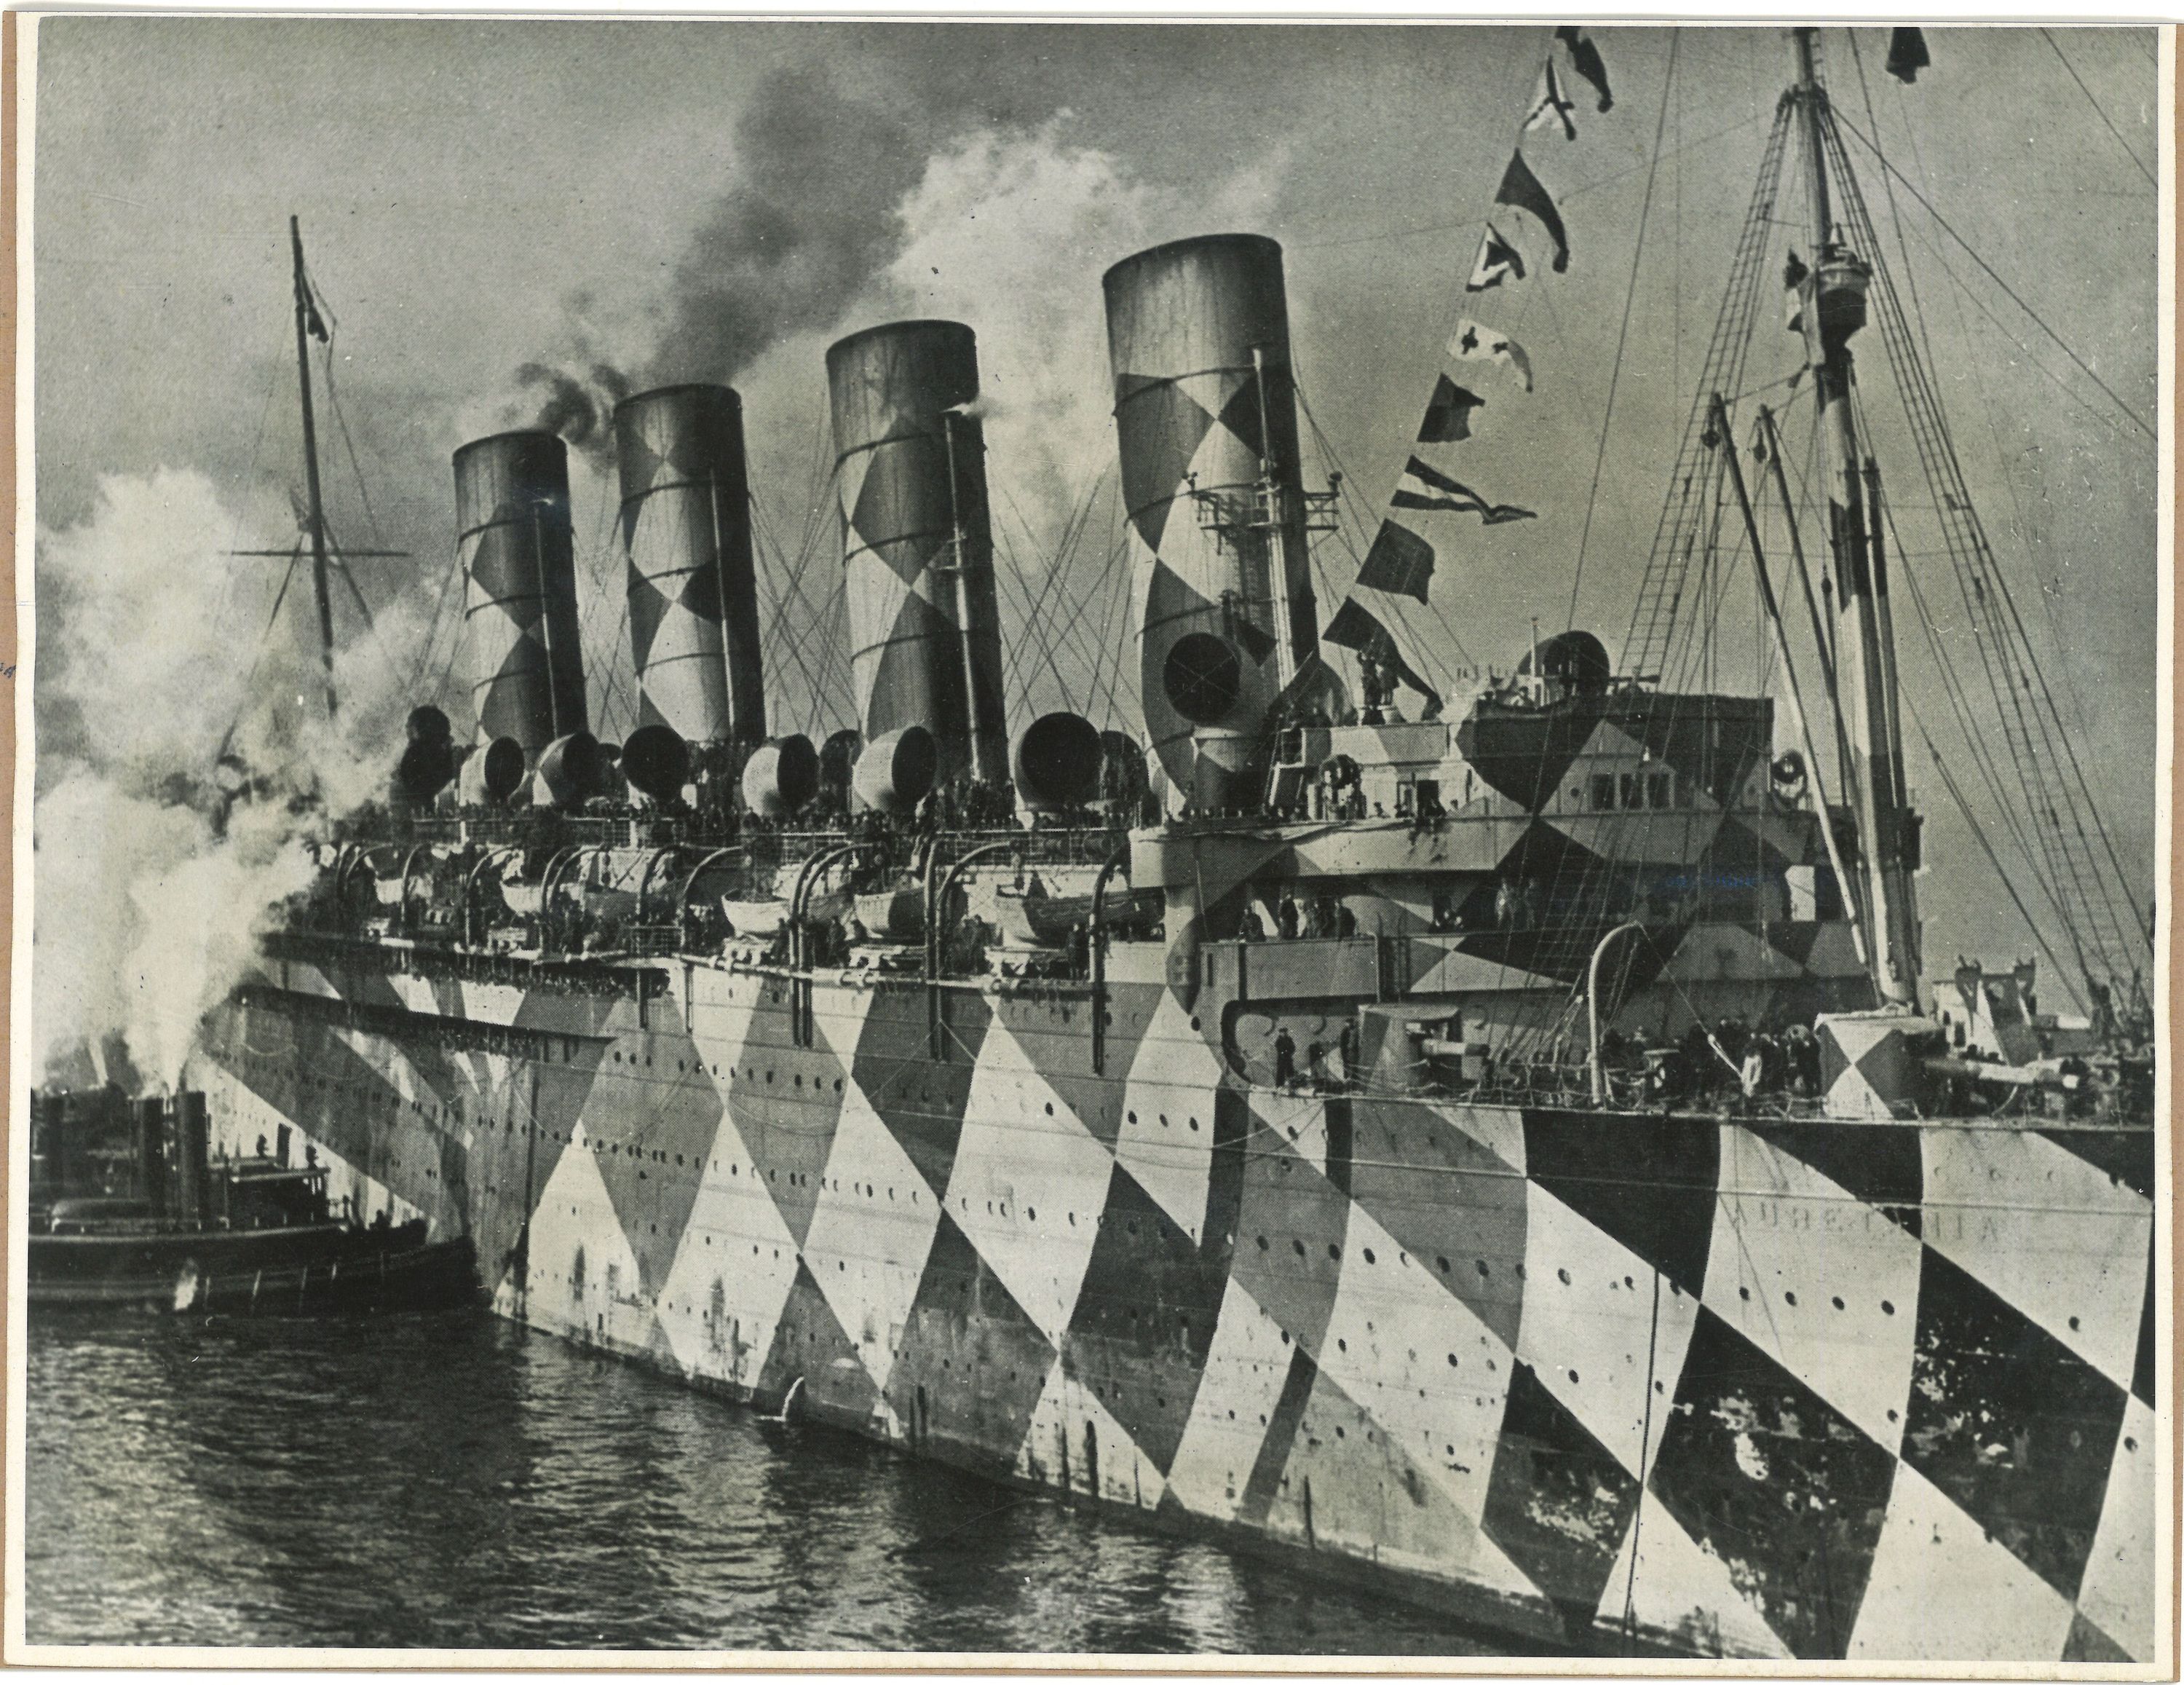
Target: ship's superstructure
[[1493, 1157]]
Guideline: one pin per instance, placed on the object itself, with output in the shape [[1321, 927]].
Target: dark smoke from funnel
[[813, 219], [578, 408]]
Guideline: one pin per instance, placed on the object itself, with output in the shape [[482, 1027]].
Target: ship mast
[[318, 514], [1835, 309]]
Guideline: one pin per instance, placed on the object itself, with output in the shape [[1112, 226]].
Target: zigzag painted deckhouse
[[1517, 1162]]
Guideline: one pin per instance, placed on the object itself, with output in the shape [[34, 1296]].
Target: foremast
[[1835, 309], [306, 323]]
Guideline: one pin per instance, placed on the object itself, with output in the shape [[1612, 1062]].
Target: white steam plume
[[1010, 233], [150, 890]]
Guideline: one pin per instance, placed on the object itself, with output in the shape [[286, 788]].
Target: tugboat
[[131, 1224]]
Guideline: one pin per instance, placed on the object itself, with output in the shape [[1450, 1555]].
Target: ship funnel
[[919, 551], [568, 771], [693, 591], [491, 773], [781, 776], [895, 772], [656, 760], [518, 565], [1055, 762], [192, 1146], [151, 1132], [1205, 416]]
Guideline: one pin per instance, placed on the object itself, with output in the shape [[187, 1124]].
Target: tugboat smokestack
[[151, 1121], [192, 1149]]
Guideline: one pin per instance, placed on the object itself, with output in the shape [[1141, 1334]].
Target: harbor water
[[452, 1481]]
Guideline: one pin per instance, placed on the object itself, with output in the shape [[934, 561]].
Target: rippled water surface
[[454, 1481]]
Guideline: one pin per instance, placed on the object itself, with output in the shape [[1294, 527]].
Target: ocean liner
[[1520, 1161]]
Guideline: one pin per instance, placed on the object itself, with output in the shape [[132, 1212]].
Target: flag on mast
[[1586, 61], [1907, 54], [1476, 342], [1400, 562], [1497, 260], [1448, 415], [1425, 486], [1794, 277], [1550, 106], [1358, 628], [1520, 190]]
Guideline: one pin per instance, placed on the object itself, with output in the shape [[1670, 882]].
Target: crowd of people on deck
[[1726, 1065], [1312, 916]]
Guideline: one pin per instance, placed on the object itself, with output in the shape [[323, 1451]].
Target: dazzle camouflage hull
[[1611, 1381]]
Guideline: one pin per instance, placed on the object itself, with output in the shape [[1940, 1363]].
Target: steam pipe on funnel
[[985, 733], [1273, 513]]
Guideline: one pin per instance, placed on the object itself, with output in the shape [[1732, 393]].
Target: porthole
[[1370, 1258], [1334, 1251]]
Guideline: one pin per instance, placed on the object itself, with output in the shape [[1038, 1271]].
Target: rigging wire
[[1647, 643], [1961, 295], [341, 421], [2130, 152], [1622, 331], [1971, 251], [2019, 685]]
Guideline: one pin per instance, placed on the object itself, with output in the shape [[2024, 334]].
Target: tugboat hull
[[269, 1272]]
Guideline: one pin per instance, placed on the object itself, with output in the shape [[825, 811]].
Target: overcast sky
[[703, 201]]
